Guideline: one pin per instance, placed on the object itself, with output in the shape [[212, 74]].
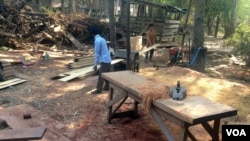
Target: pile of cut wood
[[19, 23]]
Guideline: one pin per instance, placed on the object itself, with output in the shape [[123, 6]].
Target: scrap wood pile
[[19, 23]]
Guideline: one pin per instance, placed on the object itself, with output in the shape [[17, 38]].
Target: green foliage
[[241, 40]]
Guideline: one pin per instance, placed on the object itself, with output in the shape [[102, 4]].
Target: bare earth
[[86, 115]]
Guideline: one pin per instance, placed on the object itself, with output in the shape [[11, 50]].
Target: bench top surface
[[195, 109], [135, 83]]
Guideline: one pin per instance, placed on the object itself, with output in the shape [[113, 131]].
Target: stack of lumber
[[81, 62], [7, 69], [82, 72], [8, 72]]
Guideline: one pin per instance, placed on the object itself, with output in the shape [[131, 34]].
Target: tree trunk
[[230, 26], [209, 25], [217, 26], [198, 35], [112, 24], [72, 6]]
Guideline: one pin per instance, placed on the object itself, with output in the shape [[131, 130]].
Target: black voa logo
[[233, 132]]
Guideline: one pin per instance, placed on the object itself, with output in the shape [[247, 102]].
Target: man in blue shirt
[[102, 58]]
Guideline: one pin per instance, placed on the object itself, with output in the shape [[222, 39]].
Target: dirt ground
[[72, 104]]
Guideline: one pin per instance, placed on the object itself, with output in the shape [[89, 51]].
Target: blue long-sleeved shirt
[[102, 54]]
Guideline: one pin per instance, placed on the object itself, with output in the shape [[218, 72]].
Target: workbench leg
[[213, 131], [216, 130], [162, 125], [184, 133], [111, 92], [135, 108]]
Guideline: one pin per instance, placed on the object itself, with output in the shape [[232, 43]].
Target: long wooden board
[[82, 72], [11, 82], [22, 134], [149, 48]]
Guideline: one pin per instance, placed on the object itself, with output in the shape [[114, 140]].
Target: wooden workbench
[[191, 111]]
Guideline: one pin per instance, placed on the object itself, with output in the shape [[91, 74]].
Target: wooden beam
[[11, 82]]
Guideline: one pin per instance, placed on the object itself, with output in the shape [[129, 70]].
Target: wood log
[[74, 40], [8, 35]]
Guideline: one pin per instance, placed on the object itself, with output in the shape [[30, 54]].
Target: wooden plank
[[9, 67], [80, 72], [79, 65], [11, 82], [167, 38], [6, 64], [81, 62], [119, 97], [200, 109], [162, 125], [84, 71], [22, 134], [149, 48], [74, 41], [8, 74]]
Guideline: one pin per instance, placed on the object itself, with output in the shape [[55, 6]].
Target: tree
[[229, 17], [198, 36], [72, 6]]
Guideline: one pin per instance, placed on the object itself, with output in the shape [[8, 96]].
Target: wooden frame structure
[[166, 20]]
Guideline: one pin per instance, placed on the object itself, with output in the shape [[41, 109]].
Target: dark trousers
[[105, 67], [151, 52]]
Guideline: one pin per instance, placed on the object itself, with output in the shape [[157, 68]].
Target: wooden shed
[[166, 19]]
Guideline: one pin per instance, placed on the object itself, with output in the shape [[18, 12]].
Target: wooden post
[[128, 34], [112, 24]]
